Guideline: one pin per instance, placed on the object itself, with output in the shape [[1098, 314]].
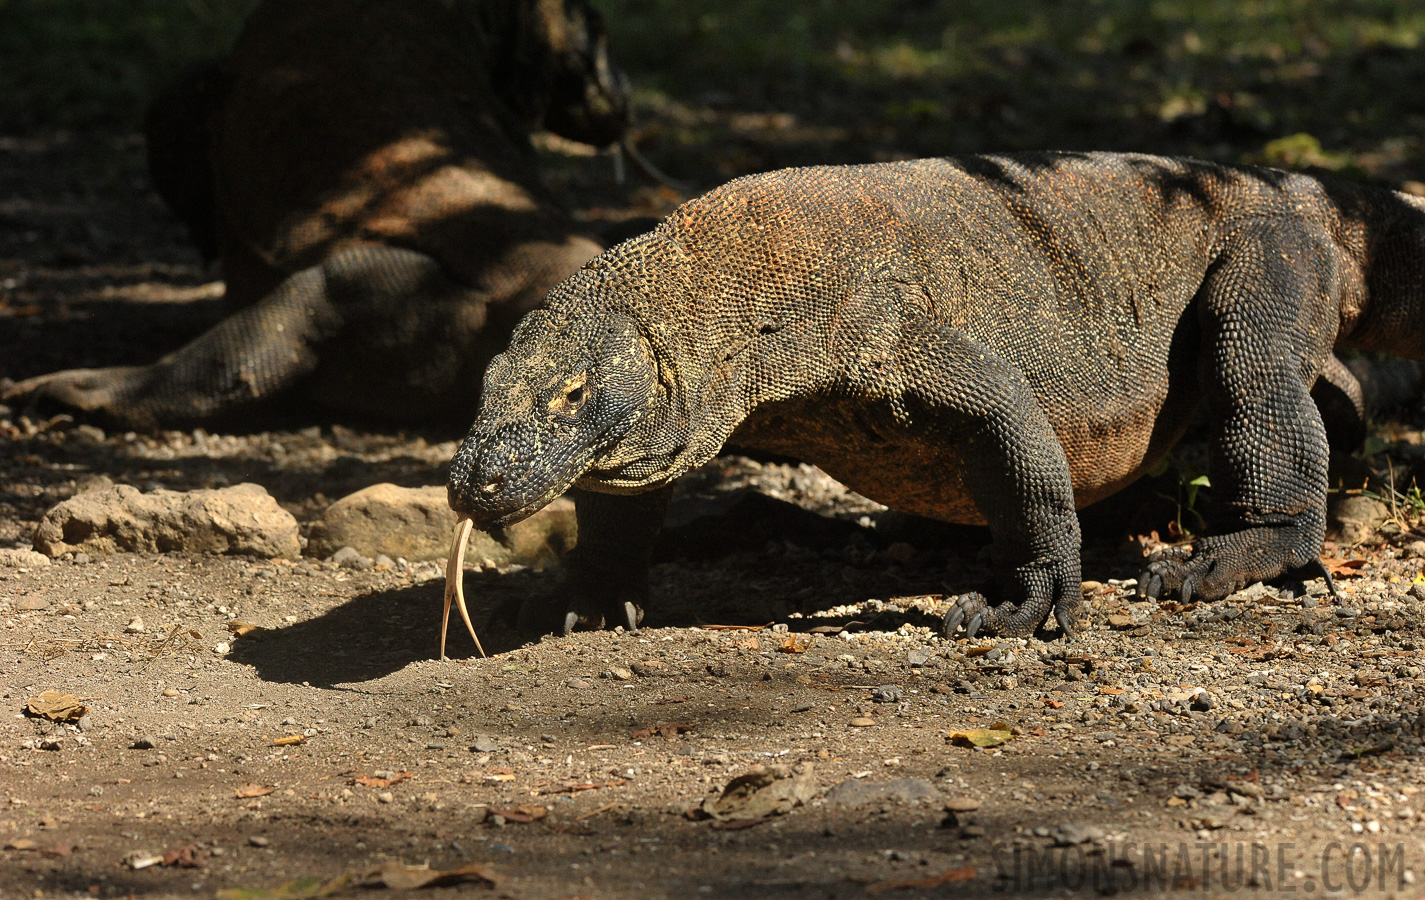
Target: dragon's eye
[[571, 395]]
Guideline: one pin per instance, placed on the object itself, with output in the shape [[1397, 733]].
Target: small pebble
[[135, 626], [862, 722], [258, 840]]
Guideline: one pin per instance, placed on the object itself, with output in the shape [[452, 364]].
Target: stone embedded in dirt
[[1355, 517], [135, 626], [56, 706], [962, 804], [887, 693], [351, 558], [862, 722], [917, 659], [23, 559], [142, 743], [416, 524], [1071, 834], [484, 744], [239, 519], [762, 791], [31, 604], [855, 792]]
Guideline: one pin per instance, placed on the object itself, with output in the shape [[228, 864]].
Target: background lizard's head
[[572, 383]]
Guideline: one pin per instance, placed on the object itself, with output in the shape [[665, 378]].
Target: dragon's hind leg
[[1268, 318]]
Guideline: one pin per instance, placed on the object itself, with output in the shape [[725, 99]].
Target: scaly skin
[[363, 170], [982, 340]]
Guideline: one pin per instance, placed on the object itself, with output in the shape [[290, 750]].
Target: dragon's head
[[550, 65], [572, 384]]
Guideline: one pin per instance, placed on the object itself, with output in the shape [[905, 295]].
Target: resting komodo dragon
[[986, 339], [363, 170]]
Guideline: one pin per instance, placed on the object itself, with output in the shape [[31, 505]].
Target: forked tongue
[[455, 583]]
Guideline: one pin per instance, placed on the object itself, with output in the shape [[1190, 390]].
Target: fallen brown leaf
[[738, 824], [296, 889], [949, 876], [1345, 568], [795, 643], [737, 627], [242, 629], [575, 787], [373, 781], [667, 730], [401, 877], [182, 857]]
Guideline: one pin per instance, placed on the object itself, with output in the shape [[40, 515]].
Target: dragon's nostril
[[492, 487]]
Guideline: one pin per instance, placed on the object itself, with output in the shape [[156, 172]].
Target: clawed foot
[[972, 612], [968, 611], [87, 390], [627, 616], [541, 617], [1165, 572]]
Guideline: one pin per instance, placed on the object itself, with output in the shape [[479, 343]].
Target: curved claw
[[1065, 617], [969, 611], [571, 618], [630, 616]]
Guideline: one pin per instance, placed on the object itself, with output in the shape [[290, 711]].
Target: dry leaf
[[795, 643], [56, 706], [253, 790], [296, 889], [949, 876], [738, 824], [401, 877], [290, 740], [979, 737], [575, 787], [1345, 568], [182, 857], [241, 628], [667, 730]]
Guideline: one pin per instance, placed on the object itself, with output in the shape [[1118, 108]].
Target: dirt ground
[[1268, 743]]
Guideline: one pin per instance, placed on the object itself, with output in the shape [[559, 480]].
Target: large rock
[[417, 523], [239, 519], [1354, 518]]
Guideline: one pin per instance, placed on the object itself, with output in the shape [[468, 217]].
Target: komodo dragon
[[984, 339], [364, 171]]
